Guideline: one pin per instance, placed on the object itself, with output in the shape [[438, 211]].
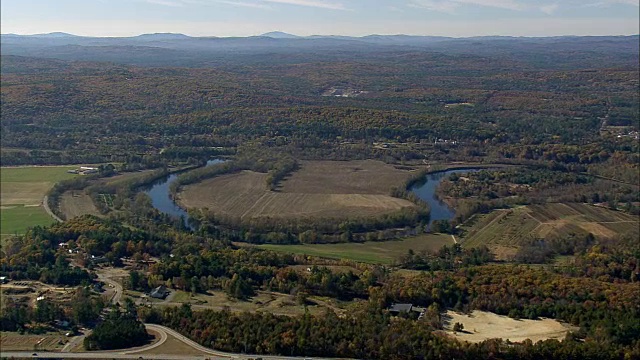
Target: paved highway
[[135, 354]]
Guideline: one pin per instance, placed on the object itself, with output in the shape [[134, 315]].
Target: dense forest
[[581, 118]]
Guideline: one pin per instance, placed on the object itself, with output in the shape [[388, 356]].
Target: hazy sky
[[308, 17]]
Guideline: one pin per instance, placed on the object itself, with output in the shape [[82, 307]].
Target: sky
[[457, 18]]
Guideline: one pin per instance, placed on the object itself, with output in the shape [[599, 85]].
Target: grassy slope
[[370, 252]]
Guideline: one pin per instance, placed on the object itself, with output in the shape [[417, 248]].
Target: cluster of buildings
[[83, 170]]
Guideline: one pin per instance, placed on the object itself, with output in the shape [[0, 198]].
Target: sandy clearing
[[481, 325]]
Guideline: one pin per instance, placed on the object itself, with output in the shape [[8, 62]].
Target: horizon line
[[265, 34]]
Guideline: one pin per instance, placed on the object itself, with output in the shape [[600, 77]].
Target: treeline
[[447, 258], [404, 222]]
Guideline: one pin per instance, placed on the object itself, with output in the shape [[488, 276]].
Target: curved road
[[114, 284], [135, 354], [45, 204]]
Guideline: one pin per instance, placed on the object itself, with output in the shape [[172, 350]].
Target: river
[[161, 198], [426, 190]]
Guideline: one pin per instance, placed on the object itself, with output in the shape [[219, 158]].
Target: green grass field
[[17, 219], [370, 252], [52, 174], [22, 190], [513, 226]]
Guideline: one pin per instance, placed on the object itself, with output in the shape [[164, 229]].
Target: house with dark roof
[[160, 292], [397, 309]]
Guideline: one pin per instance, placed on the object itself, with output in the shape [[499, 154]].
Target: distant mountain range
[[287, 36], [171, 49]]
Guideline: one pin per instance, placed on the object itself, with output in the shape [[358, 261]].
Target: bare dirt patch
[[480, 326], [245, 195], [76, 203]]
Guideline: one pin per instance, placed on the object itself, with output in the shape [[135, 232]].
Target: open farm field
[[384, 252], [17, 218], [512, 226], [22, 190], [344, 177], [481, 325], [245, 195]]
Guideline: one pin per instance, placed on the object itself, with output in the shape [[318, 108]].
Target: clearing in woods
[[319, 189], [384, 252], [22, 190], [262, 301], [511, 227], [481, 325]]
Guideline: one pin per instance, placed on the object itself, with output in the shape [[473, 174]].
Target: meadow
[[385, 252], [21, 195]]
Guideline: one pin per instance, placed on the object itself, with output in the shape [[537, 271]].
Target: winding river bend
[[161, 198], [425, 190]]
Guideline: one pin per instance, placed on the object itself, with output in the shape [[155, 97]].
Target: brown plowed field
[[76, 203], [344, 177], [323, 189]]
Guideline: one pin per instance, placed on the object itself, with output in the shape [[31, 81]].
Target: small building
[[161, 292], [98, 259], [397, 309]]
